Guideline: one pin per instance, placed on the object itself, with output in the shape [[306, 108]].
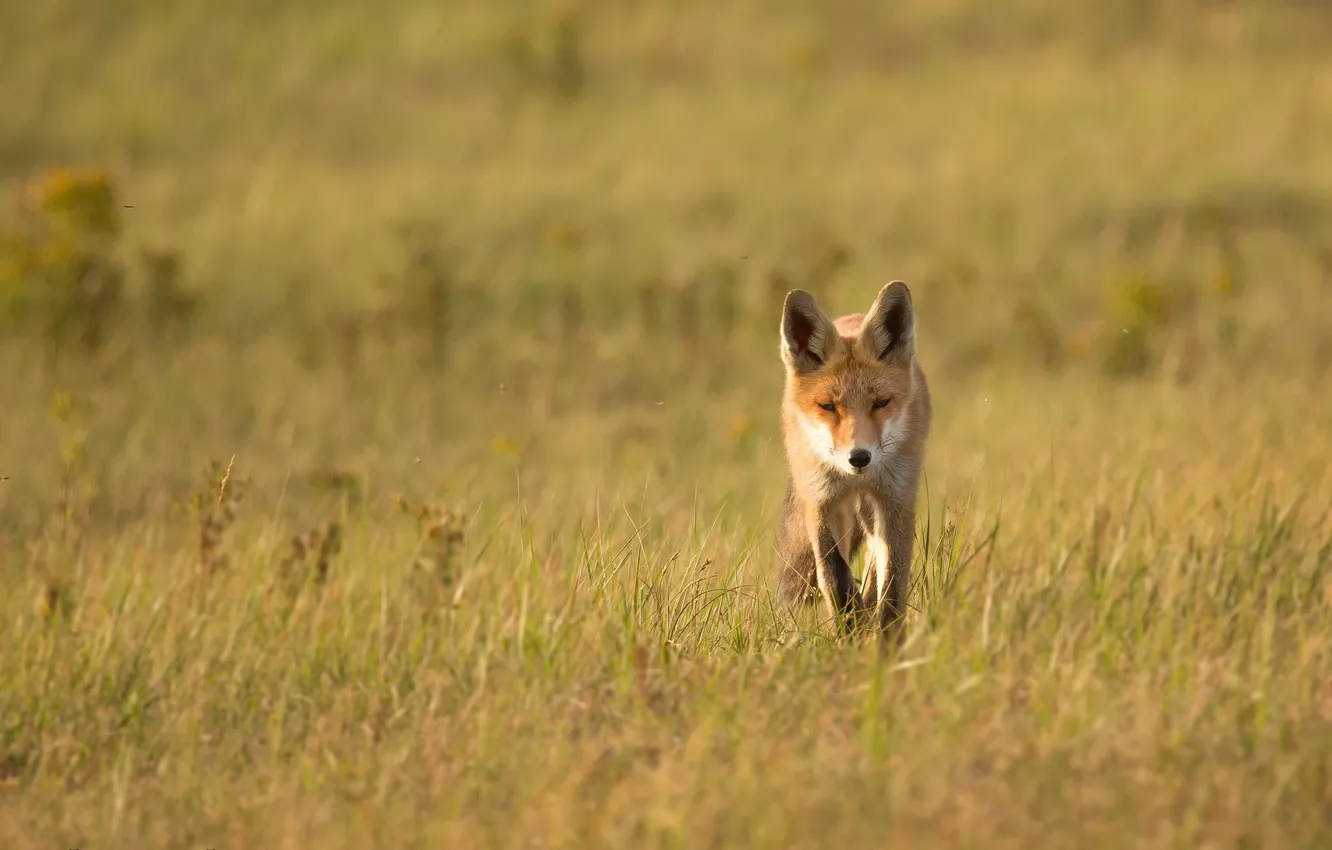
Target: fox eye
[[830, 407], [883, 402]]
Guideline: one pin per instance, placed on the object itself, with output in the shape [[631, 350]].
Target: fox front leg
[[890, 539], [836, 583]]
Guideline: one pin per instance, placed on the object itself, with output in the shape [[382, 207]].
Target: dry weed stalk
[[216, 506], [53, 600], [313, 550], [441, 537]]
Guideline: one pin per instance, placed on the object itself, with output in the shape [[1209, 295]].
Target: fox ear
[[889, 329], [806, 332]]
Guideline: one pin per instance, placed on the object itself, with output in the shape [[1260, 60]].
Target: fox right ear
[[806, 332]]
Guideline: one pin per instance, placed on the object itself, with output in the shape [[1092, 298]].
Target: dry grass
[[486, 323]]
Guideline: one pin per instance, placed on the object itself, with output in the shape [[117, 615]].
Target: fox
[[855, 420]]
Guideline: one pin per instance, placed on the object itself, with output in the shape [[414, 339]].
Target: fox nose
[[859, 458]]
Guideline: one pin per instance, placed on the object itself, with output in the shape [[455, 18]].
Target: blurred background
[[389, 437], [429, 243]]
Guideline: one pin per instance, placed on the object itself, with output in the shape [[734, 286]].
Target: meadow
[[389, 451]]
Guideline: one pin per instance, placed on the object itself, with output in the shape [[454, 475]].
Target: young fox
[[855, 419]]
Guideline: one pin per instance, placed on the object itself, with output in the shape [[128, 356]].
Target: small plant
[[61, 274], [309, 555], [341, 483], [420, 295], [1127, 352], [71, 418], [563, 237], [1140, 301], [441, 536], [1139, 310], [688, 315], [53, 600], [216, 504], [1039, 332], [13, 765], [549, 53], [570, 315], [568, 73], [170, 306], [649, 305]]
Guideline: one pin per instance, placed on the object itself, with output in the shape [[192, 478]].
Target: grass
[[484, 349]]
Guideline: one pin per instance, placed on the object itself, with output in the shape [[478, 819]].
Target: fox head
[[849, 382]]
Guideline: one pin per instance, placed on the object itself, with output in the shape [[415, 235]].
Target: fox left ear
[[889, 329]]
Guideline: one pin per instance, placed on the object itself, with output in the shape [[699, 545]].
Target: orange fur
[[856, 416]]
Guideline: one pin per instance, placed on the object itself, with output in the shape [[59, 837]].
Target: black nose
[[860, 458]]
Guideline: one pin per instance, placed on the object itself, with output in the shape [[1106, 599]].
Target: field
[[390, 455]]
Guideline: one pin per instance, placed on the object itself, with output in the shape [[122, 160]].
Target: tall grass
[[420, 489]]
